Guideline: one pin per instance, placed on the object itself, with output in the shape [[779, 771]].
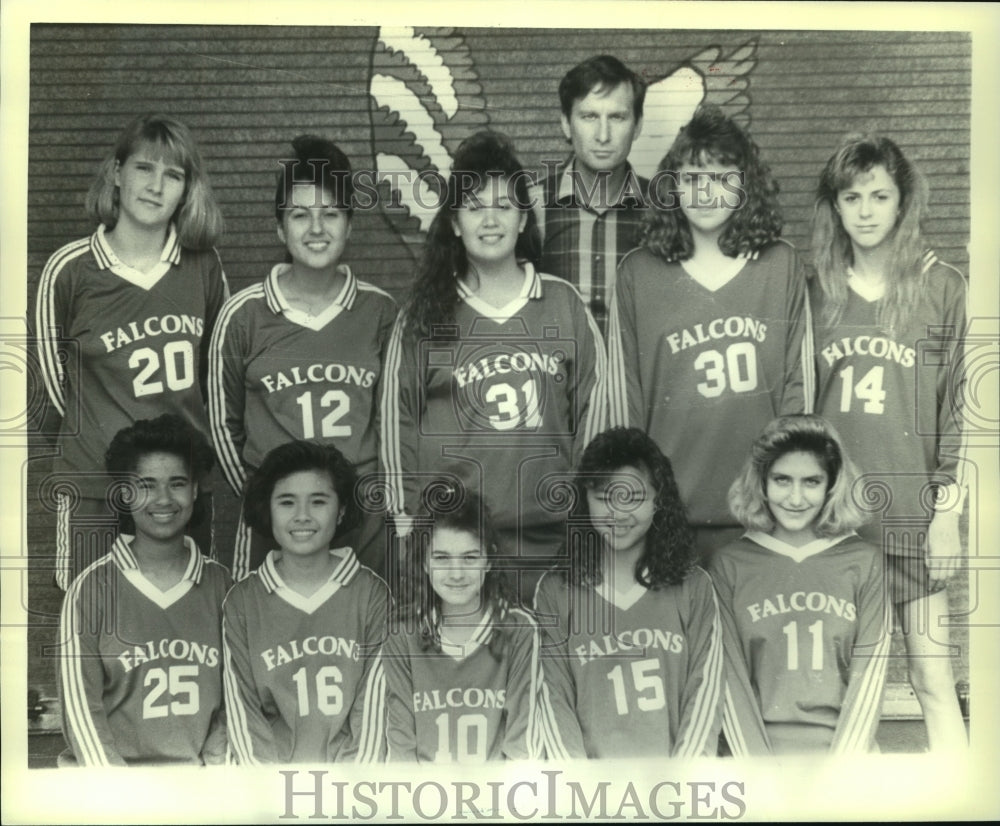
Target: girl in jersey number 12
[[633, 658], [801, 596], [461, 663], [890, 317], [136, 299], [301, 634], [140, 677]]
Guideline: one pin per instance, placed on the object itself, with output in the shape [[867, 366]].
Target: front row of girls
[[305, 660]]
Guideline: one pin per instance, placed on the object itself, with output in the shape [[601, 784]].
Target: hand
[[944, 547]]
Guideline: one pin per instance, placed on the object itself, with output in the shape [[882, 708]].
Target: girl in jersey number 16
[[462, 670], [140, 677], [633, 660], [494, 371], [301, 634], [890, 318], [802, 602], [136, 299], [709, 316], [299, 355]]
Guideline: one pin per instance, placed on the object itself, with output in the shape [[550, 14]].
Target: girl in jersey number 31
[[801, 598], [890, 317], [462, 667], [301, 634], [634, 652]]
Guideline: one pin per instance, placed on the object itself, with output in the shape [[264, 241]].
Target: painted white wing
[[669, 104]]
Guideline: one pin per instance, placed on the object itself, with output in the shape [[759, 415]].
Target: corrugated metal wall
[[247, 90]]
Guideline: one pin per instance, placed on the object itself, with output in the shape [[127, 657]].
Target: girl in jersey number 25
[[140, 678], [633, 659], [889, 324], [301, 634], [462, 669], [136, 298], [802, 602]]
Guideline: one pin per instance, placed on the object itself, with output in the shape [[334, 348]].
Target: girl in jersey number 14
[[801, 596], [633, 657], [140, 677], [301, 634], [136, 299], [890, 317], [462, 669]]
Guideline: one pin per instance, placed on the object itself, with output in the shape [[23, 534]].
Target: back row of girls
[[494, 373]]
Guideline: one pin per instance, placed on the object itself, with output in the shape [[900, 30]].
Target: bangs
[[162, 146]]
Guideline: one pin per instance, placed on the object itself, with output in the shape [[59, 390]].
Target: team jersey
[[633, 675], [895, 398], [511, 396], [137, 351], [303, 677], [140, 679], [703, 371], [466, 703], [807, 635], [278, 374]]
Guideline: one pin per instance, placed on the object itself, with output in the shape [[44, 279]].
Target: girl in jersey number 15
[[633, 659], [802, 602], [890, 317], [301, 634], [461, 663]]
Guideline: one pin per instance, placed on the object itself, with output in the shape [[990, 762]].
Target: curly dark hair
[[448, 504], [169, 434], [434, 296], [298, 457], [712, 137], [670, 553]]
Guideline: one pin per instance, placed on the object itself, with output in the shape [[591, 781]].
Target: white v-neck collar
[[621, 600], [162, 599], [327, 314], [863, 289], [765, 540], [722, 278], [107, 259], [311, 603], [462, 650], [530, 288]]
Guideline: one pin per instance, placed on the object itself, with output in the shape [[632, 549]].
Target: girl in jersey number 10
[[140, 678], [462, 669], [708, 319], [136, 299], [633, 660], [494, 371], [890, 318], [301, 634], [299, 355], [801, 596]]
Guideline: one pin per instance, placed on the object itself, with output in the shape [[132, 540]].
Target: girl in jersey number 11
[[890, 317], [801, 596], [462, 670], [633, 660], [301, 634]]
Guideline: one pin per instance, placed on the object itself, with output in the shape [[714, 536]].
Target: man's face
[[601, 127]]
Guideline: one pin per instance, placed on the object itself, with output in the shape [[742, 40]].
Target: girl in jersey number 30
[[634, 651], [136, 298], [801, 598], [140, 677], [890, 318], [301, 634], [462, 667]]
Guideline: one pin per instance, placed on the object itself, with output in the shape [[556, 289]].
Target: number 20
[[178, 368]]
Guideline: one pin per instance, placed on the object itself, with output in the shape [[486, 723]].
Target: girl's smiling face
[[489, 222], [150, 188], [456, 565], [623, 505], [305, 513], [709, 193], [796, 492], [313, 228]]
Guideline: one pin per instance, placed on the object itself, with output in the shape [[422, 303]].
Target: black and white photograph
[[551, 412]]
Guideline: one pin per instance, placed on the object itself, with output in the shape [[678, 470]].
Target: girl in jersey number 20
[[135, 298], [462, 668], [802, 601], [140, 677], [301, 634], [299, 356], [889, 324], [494, 371], [707, 323], [633, 660]]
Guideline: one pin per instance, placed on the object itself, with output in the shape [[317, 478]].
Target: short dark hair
[[317, 161], [600, 71], [299, 457], [169, 434]]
